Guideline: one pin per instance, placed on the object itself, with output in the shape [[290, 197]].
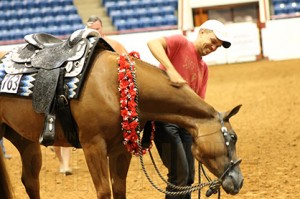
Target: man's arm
[[158, 49]]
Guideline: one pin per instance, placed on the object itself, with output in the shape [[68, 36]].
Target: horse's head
[[215, 147]]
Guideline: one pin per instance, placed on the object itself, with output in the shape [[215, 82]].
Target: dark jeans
[[174, 147]]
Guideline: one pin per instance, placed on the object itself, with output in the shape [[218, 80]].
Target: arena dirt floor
[[268, 126]]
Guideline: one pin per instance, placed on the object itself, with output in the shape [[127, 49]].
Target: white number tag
[[10, 83]]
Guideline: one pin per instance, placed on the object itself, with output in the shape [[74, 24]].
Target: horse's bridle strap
[[232, 165]]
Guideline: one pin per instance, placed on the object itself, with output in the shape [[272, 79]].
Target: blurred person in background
[[63, 154], [5, 155], [182, 60], [95, 23]]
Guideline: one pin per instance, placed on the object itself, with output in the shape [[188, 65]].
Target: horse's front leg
[[95, 152], [31, 162], [119, 160]]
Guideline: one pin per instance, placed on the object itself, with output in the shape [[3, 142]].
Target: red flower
[[133, 124], [123, 103], [123, 94], [133, 113], [126, 126], [121, 76], [132, 93], [124, 113], [124, 84], [129, 74], [135, 54], [126, 65], [131, 105]]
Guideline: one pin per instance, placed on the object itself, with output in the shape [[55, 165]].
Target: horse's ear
[[231, 113]]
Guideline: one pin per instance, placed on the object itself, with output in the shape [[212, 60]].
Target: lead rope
[[170, 184], [213, 187], [185, 189], [199, 179]]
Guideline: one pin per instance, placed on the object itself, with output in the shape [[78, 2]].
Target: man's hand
[[176, 79]]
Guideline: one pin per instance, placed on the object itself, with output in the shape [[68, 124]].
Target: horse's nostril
[[242, 183]]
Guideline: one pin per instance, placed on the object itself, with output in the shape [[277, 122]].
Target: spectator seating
[[19, 18], [293, 7], [132, 14], [283, 7], [280, 8]]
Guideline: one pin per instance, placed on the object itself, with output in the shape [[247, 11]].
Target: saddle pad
[[22, 84]]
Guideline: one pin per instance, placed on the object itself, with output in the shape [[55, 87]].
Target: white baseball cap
[[219, 30]]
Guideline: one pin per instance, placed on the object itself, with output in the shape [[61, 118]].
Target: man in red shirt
[[182, 60]]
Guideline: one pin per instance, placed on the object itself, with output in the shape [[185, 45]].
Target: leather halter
[[229, 143]]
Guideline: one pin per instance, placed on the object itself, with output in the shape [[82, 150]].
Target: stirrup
[[47, 137]]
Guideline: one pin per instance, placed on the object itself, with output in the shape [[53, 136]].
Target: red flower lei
[[128, 104]]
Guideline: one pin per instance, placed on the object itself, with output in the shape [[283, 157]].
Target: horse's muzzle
[[233, 181]]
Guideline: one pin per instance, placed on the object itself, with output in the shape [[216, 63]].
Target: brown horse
[[97, 113]]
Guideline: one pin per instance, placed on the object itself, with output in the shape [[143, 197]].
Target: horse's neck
[[160, 101]]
